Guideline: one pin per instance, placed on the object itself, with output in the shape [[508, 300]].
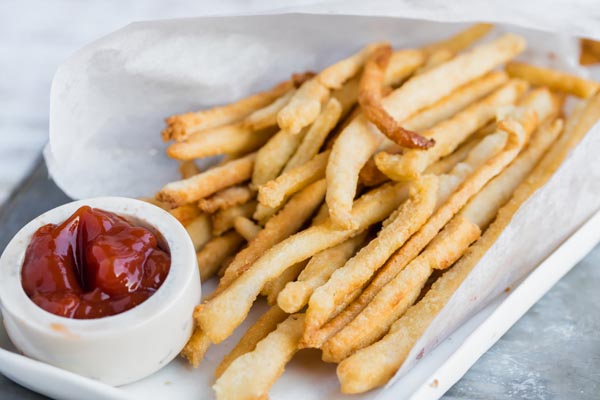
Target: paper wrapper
[[109, 100]]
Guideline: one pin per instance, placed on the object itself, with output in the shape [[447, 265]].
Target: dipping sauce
[[93, 265]]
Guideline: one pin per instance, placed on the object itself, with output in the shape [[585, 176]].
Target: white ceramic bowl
[[117, 349]]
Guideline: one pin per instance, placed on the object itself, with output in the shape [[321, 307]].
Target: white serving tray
[[429, 379]]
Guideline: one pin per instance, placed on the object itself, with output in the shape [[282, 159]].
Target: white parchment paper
[[109, 100]]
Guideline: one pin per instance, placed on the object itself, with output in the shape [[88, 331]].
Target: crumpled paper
[[109, 100]]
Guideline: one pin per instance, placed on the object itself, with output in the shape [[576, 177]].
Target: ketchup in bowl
[[93, 265]]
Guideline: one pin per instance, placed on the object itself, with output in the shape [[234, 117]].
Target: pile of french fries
[[357, 199]]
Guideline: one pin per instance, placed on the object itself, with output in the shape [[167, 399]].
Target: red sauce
[[93, 265]]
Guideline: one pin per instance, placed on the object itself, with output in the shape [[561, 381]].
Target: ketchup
[[93, 265]]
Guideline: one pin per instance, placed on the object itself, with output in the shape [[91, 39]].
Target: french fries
[[344, 194]]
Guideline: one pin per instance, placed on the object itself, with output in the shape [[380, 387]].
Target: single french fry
[[251, 375], [200, 230], [402, 291], [222, 221], [216, 251], [206, 183], [229, 139], [334, 76], [226, 198], [358, 270], [196, 347], [295, 295], [264, 213], [449, 134], [180, 127], [291, 218], [266, 324], [304, 107], [374, 365], [445, 164], [246, 228], [315, 136], [267, 116], [401, 65], [185, 213], [272, 157], [275, 286], [274, 192], [555, 80], [188, 169], [223, 313], [461, 40]]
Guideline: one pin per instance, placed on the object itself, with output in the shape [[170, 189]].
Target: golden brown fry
[[402, 291], [251, 375], [206, 183], [246, 228], [223, 313], [295, 295], [304, 107], [229, 139], [216, 251], [264, 213], [291, 218], [226, 198], [315, 136], [274, 192], [180, 127], [334, 76], [272, 157], [555, 80], [358, 270], [185, 213], [445, 164], [590, 52], [267, 116], [275, 286], [369, 98], [200, 230], [196, 347], [222, 221], [266, 324], [401, 65], [461, 40], [188, 169]]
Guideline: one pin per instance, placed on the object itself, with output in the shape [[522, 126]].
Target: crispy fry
[[246, 228], [206, 183], [180, 127], [402, 291], [445, 164], [461, 40], [200, 230], [229, 139], [304, 107], [226, 198], [334, 76], [358, 270], [272, 157], [185, 213], [266, 324], [275, 286], [369, 98], [315, 136], [188, 169], [295, 295], [553, 79], [196, 347], [264, 213], [274, 192], [223, 220], [251, 375], [288, 221], [402, 63], [449, 134], [216, 251], [267, 116], [223, 313]]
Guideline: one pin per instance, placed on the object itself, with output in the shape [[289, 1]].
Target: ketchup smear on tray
[[93, 265]]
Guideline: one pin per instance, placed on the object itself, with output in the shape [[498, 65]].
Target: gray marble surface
[[553, 352]]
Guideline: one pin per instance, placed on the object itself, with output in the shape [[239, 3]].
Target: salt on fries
[[342, 192]]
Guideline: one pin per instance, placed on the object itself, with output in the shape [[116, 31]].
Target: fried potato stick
[[180, 127], [374, 365], [188, 169], [246, 228], [200, 230], [335, 75], [267, 116], [216, 251], [223, 313], [358, 270], [402, 291], [222, 221], [272, 157], [361, 139], [196, 347], [287, 222], [229, 139], [185, 213], [274, 192], [275, 286], [206, 183], [304, 107], [555, 80], [449, 134], [461, 40], [295, 295], [266, 324], [251, 375], [226, 198]]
